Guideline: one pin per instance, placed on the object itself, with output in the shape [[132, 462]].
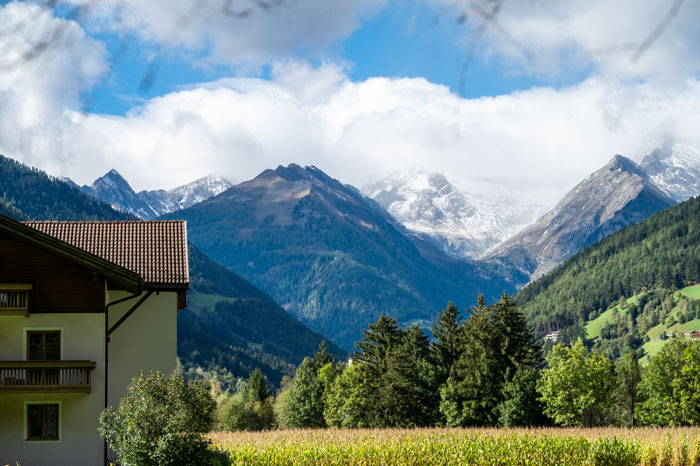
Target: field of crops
[[463, 446]]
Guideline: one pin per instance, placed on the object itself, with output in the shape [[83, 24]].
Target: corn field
[[609, 446]]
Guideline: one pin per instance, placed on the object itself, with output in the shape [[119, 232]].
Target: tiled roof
[[156, 250]]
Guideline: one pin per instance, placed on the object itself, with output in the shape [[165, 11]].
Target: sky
[[531, 96]]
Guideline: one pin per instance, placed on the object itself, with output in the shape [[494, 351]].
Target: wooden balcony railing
[[14, 298], [46, 376]]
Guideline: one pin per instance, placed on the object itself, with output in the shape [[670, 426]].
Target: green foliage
[[304, 402], [661, 253], [627, 396], [670, 385], [160, 421], [494, 343], [576, 388], [522, 406]]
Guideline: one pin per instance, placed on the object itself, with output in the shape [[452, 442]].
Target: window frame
[[59, 427], [25, 339]]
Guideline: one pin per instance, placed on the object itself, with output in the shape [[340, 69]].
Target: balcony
[[14, 299], [46, 376]]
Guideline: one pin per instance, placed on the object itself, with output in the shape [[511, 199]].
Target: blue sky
[[404, 40], [359, 88]]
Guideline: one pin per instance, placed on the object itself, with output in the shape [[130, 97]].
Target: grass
[[564, 447], [651, 348], [692, 291], [201, 300]]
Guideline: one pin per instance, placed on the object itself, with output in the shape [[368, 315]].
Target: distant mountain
[[113, 189], [331, 256], [229, 326], [673, 166], [30, 194], [611, 198], [464, 223]]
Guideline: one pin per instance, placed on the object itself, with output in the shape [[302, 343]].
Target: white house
[[83, 307]]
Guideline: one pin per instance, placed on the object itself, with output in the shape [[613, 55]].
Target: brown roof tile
[[156, 250]]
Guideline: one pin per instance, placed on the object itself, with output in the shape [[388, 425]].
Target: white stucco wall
[[146, 341], [80, 444]]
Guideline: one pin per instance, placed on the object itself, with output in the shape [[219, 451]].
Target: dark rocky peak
[[112, 179], [291, 172], [619, 162]]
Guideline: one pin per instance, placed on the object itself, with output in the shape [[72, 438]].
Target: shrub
[[160, 421]]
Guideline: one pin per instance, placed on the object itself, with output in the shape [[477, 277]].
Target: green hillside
[[231, 327], [621, 292]]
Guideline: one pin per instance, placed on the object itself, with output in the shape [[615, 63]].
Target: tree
[[663, 386], [629, 375], [257, 389], [160, 421], [494, 342], [522, 406], [304, 402], [248, 409], [446, 331], [576, 389]]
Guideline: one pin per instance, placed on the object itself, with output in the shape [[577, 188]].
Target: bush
[[160, 421]]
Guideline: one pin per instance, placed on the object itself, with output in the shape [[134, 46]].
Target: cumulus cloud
[[242, 32], [603, 34], [45, 65], [538, 142]]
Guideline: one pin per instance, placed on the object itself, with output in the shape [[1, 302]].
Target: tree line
[[484, 370]]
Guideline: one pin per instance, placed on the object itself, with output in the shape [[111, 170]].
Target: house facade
[[84, 306]]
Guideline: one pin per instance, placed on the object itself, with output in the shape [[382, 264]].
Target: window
[[43, 421], [44, 345]]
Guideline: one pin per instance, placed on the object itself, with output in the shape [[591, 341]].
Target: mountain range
[[229, 327], [464, 223], [114, 190], [333, 257]]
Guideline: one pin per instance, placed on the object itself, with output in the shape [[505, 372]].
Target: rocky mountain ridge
[[113, 189]]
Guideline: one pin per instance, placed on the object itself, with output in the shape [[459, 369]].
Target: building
[[83, 307]]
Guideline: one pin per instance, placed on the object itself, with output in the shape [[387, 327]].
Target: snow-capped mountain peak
[[672, 165], [113, 189], [465, 223]]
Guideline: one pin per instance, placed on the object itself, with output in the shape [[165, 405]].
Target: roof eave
[[126, 279]]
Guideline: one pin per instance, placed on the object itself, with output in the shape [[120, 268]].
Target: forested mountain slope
[[230, 327], [661, 253], [332, 257]]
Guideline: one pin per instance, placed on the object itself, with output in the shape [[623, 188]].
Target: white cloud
[[539, 142], [45, 64], [204, 26], [571, 35]]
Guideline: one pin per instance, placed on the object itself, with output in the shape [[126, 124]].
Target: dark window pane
[[35, 415], [36, 346], [53, 346], [51, 421]]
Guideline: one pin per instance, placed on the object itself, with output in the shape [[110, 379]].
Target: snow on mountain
[[672, 165], [465, 222], [618, 194], [113, 189]]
